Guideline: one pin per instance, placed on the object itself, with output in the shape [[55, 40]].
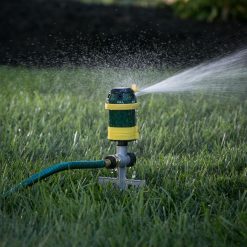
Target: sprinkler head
[[122, 104]]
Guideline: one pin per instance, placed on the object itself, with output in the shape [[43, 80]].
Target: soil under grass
[[192, 153], [57, 32]]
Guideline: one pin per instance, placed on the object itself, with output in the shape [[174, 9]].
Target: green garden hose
[[83, 164]]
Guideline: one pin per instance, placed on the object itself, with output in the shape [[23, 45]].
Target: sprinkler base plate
[[115, 181]]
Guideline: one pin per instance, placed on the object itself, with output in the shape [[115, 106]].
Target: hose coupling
[[113, 161]]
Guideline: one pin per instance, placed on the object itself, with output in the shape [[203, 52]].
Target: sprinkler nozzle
[[134, 88]]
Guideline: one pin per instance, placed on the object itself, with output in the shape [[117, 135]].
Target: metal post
[[122, 151]]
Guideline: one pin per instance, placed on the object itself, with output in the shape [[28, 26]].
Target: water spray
[[122, 104], [226, 75]]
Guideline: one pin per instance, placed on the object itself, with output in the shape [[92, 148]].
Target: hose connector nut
[[112, 161]]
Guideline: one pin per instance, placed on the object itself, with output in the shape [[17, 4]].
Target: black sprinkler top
[[121, 95]]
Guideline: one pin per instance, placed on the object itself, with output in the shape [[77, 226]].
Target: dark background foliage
[[57, 32]]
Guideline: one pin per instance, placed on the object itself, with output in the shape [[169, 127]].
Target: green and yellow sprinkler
[[122, 104]]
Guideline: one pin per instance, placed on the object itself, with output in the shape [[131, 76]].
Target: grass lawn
[[192, 153]]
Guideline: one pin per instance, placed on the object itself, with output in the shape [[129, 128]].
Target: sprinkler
[[122, 104]]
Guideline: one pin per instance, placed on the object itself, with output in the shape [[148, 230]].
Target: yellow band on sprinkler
[[124, 134], [119, 107]]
